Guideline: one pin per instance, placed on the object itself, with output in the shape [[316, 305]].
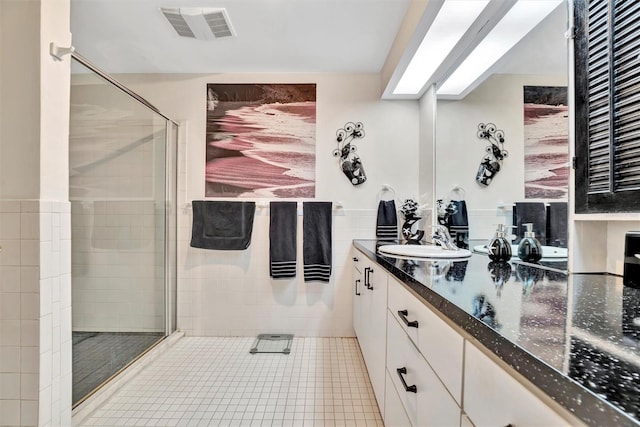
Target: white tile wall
[[34, 296], [117, 286], [10, 322], [482, 222], [230, 293]]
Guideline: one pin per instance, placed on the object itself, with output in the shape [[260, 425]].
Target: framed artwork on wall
[[260, 140], [546, 142]]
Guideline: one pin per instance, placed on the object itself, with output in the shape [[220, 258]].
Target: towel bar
[[336, 205], [264, 205]]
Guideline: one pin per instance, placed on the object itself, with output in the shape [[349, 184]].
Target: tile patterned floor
[[217, 382]]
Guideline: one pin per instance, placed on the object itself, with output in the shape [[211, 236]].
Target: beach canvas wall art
[[546, 142], [260, 140]]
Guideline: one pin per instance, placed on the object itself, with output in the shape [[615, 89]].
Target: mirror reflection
[[525, 97]]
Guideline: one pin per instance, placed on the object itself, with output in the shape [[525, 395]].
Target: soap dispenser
[[499, 247], [529, 249]]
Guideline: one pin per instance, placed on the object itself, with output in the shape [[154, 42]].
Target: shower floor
[[99, 355]]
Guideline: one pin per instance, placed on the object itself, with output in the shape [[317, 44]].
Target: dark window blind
[[626, 75], [607, 55], [599, 97]]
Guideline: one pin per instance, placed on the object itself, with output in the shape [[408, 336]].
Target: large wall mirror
[[524, 96]]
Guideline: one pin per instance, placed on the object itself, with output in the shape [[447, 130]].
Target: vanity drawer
[[429, 404], [492, 397], [394, 414], [440, 344]]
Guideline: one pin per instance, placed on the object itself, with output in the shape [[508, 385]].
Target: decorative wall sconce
[[349, 161], [492, 161]]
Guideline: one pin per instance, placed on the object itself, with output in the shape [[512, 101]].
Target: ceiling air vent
[[199, 23]]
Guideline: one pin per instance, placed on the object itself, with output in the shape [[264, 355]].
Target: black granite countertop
[[575, 336]]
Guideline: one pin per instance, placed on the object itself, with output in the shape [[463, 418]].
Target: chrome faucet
[[440, 236]]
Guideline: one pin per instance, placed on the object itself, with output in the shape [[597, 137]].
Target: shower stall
[[122, 187]]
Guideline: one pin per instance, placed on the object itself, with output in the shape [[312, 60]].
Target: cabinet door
[[394, 414], [425, 399], [438, 342], [492, 397], [374, 319], [358, 285]]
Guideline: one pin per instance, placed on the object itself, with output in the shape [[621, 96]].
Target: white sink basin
[[548, 252], [422, 251]]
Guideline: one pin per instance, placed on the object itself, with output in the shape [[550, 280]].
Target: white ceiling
[[132, 36]]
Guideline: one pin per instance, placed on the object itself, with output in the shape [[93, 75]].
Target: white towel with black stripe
[[387, 221], [316, 230], [283, 226]]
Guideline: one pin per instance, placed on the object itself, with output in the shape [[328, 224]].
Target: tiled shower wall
[[116, 188], [35, 313], [117, 266]]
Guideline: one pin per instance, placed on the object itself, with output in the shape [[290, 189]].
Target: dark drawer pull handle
[[357, 281], [367, 277], [355, 259], [407, 388], [410, 323]]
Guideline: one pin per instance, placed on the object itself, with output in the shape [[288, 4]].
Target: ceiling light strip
[[449, 26], [517, 23]]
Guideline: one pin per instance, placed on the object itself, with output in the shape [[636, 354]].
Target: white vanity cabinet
[[492, 397], [438, 342], [405, 344], [424, 399], [358, 267], [370, 320], [394, 414]]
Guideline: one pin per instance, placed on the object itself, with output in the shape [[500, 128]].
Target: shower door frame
[[172, 134]]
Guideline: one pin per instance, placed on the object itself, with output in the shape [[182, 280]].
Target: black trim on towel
[[283, 243], [316, 226]]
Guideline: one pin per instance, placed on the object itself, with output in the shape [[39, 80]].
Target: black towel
[[316, 234], [459, 223], [457, 271], [557, 224], [530, 212], [387, 221], [283, 243], [222, 225]]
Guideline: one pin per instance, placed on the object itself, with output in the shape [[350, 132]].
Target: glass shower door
[[119, 190]]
